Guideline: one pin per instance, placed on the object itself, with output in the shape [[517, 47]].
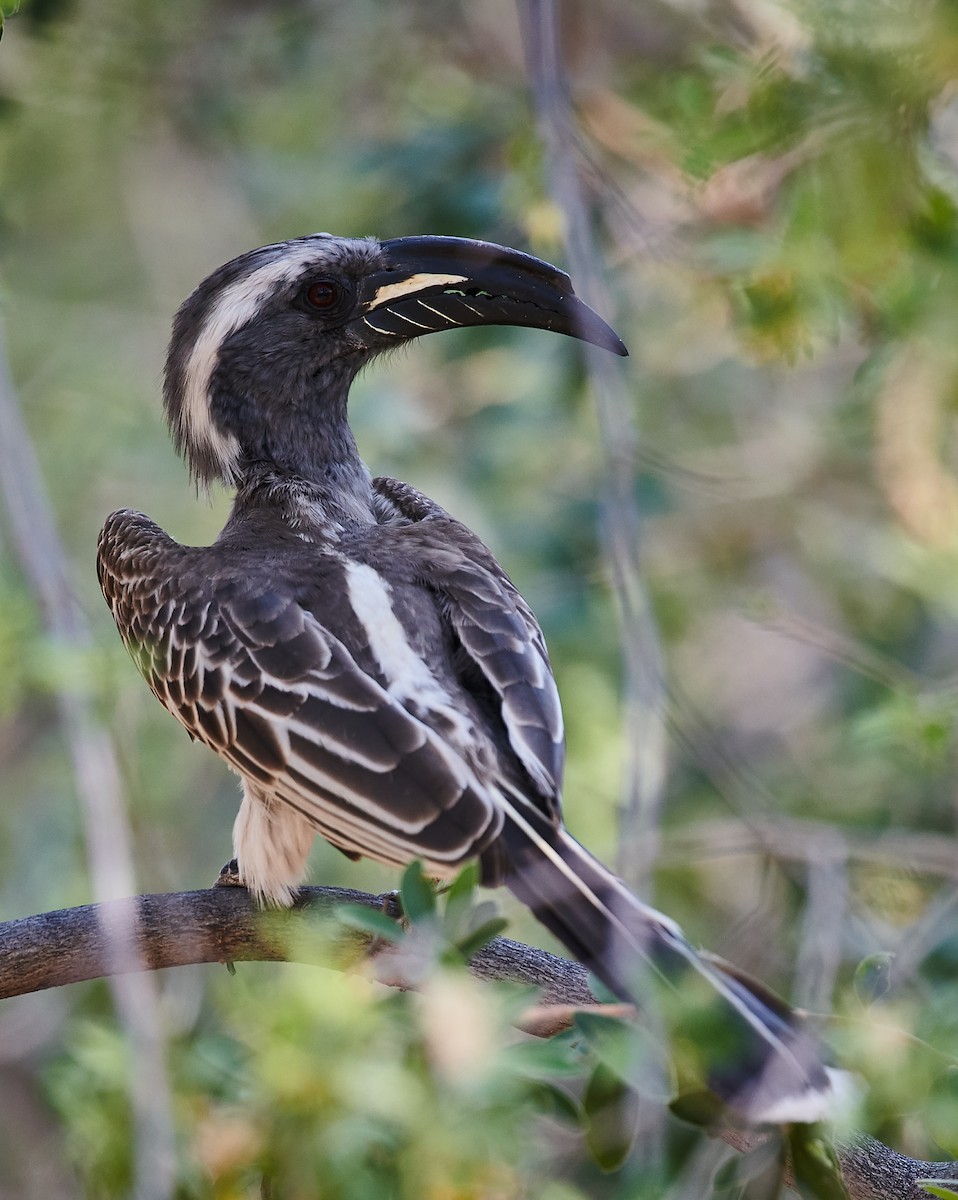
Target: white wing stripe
[[345, 830], [408, 677]]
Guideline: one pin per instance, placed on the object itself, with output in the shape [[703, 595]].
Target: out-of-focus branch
[[224, 924], [44, 562], [621, 520], [797, 841]]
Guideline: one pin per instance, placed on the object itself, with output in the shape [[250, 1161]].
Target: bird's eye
[[323, 295]]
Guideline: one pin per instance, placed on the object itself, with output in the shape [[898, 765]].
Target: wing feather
[[251, 673], [517, 669], [496, 630]]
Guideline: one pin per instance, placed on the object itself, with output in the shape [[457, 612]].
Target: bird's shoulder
[[425, 541], [237, 592], [437, 551]]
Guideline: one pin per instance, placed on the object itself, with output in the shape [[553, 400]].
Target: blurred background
[[740, 542]]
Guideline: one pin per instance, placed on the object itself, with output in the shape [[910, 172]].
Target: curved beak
[[432, 283]]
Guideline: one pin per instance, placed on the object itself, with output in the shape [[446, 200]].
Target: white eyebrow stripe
[[234, 307], [414, 283]]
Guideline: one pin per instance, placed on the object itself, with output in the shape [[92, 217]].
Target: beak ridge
[[433, 283]]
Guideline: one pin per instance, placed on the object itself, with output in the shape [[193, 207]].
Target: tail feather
[[770, 1068]]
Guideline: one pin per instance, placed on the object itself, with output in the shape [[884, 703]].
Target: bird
[[357, 655]]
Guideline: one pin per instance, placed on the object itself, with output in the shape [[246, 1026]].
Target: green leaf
[[602, 993], [703, 1109], [628, 1050], [611, 1110], [942, 1188], [473, 942], [417, 893], [463, 887], [552, 1101], [7, 9], [459, 897], [873, 977], [941, 1110], [478, 916], [370, 920], [610, 1039], [758, 1174], [545, 1057], [815, 1165]]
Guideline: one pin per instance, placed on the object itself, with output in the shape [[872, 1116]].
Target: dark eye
[[324, 294]]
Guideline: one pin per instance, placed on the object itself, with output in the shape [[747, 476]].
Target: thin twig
[[796, 841], [621, 520], [820, 947]]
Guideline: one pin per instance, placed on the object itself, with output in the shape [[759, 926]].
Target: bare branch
[[791, 840], [225, 925]]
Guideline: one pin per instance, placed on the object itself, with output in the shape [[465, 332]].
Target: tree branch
[[224, 924]]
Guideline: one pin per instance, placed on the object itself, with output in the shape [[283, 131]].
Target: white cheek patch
[[415, 283], [235, 307]]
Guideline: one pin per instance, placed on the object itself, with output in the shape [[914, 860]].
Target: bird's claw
[[230, 876]]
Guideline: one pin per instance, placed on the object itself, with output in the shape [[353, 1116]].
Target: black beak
[[433, 283]]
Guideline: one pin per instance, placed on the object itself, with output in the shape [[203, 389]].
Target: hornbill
[[356, 654]]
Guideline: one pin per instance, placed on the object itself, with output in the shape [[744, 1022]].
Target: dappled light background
[[772, 194]]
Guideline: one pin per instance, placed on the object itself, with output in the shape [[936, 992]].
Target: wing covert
[[495, 628], [249, 672]]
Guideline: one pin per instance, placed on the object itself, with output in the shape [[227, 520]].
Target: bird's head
[[264, 351]]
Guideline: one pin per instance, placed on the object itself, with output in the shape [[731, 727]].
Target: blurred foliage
[[775, 193]]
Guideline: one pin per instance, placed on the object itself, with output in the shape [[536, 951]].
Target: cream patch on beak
[[415, 283]]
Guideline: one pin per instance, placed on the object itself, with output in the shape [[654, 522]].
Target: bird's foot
[[392, 905], [230, 876]]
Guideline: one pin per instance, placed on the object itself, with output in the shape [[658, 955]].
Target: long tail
[[767, 1064]]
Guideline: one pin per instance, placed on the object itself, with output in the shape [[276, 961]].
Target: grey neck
[[337, 498]]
